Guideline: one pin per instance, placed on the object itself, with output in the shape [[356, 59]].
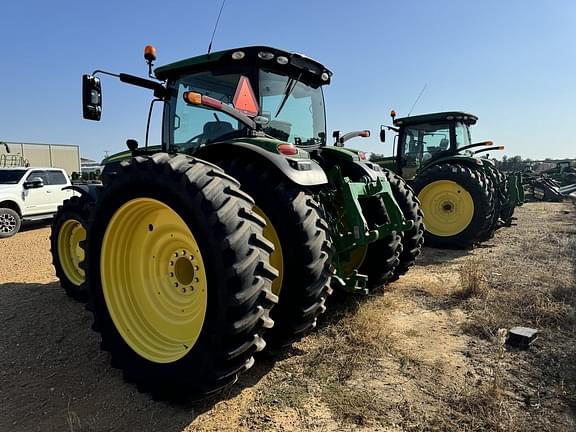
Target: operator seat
[[213, 130]]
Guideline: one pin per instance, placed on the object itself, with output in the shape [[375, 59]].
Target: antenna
[[417, 99], [215, 26]]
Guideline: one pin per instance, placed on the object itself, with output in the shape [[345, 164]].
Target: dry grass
[[355, 335], [472, 280]]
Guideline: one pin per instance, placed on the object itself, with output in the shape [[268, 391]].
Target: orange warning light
[[149, 53], [244, 98]]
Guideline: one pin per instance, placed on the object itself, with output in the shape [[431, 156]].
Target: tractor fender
[[303, 172], [472, 162], [85, 190]]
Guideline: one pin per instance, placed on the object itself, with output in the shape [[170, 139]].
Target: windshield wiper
[[290, 85]]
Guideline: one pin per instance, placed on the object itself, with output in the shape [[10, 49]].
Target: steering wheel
[[197, 137]]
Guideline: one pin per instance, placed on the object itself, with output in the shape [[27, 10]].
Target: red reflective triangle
[[244, 98]]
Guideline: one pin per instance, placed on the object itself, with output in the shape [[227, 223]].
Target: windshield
[[195, 126], [421, 142], [462, 135], [11, 176], [295, 110]]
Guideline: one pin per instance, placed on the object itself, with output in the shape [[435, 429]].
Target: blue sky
[[512, 63]]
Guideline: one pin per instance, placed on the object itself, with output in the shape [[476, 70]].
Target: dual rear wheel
[[458, 205], [179, 276]]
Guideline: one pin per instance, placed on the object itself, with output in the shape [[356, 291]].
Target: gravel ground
[[26, 258], [421, 357]]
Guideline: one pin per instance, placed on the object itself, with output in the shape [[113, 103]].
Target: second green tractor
[[464, 197]]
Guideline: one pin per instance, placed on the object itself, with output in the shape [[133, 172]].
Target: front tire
[[179, 275], [382, 256], [413, 239]]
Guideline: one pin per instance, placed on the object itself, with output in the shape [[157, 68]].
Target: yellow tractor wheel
[[179, 274], [457, 203], [296, 228], [67, 236]]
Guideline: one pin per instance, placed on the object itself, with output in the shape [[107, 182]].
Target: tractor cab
[[426, 138], [243, 93]]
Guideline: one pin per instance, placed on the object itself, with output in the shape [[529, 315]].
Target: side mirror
[[34, 183], [382, 134], [91, 98]]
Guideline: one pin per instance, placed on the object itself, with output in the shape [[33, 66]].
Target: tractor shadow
[[55, 377], [433, 256], [32, 225]]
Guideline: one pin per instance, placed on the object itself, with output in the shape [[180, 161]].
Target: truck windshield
[[11, 176], [294, 109]]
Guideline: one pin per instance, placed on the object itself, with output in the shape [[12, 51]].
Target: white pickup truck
[[30, 194]]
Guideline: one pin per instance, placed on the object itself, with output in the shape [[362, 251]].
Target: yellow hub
[[276, 257], [70, 253], [154, 280], [448, 208], [357, 257]]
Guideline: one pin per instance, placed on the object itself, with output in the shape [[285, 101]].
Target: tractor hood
[[296, 65]]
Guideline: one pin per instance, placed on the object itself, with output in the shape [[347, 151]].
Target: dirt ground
[[425, 355]]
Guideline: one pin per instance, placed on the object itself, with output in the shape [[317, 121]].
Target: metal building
[[44, 155]]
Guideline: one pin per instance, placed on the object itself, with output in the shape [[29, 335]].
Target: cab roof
[[298, 65], [467, 118]]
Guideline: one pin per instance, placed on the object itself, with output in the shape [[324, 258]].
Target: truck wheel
[[179, 275], [68, 231], [9, 222], [303, 249], [382, 256], [456, 203], [413, 239]]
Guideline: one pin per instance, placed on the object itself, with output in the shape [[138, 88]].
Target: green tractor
[[189, 244], [464, 197]]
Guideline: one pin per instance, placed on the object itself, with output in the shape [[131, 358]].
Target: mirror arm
[[159, 90], [483, 143], [342, 139]]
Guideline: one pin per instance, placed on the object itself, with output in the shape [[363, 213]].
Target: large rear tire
[[457, 205], [413, 239], [68, 231], [302, 234], [179, 275]]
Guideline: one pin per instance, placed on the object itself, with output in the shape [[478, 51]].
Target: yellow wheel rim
[[357, 257], [70, 253], [448, 208], [276, 257], [153, 280]]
